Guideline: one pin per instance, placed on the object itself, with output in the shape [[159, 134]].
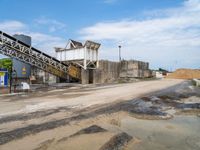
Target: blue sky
[[165, 33]]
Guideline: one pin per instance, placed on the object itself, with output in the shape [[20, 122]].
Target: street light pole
[[120, 52]]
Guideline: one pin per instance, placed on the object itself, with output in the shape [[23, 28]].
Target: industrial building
[[83, 55], [76, 62], [22, 69], [94, 70]]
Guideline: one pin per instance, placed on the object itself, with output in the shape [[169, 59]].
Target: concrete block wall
[[134, 69], [107, 72], [98, 76], [84, 76]]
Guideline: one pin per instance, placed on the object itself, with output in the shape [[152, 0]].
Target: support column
[[84, 76], [85, 58], [97, 57]]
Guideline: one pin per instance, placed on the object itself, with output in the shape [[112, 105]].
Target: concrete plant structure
[[94, 70], [83, 55], [76, 62], [23, 70]]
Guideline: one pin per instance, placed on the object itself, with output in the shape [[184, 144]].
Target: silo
[[24, 38], [23, 70]]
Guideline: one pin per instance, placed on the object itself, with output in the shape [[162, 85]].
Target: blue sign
[[3, 77]]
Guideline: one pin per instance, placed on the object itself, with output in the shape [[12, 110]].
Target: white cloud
[[52, 24], [166, 37], [13, 26], [44, 42]]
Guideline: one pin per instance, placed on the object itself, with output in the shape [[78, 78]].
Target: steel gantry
[[14, 48]]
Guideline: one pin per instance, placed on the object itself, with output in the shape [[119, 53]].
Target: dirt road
[[119, 116], [80, 97]]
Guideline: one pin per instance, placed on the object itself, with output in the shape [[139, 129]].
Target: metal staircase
[[14, 48]]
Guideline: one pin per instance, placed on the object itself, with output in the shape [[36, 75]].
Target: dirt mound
[[185, 74], [90, 130], [117, 142]]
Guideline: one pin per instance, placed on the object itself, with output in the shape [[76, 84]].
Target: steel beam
[[11, 47]]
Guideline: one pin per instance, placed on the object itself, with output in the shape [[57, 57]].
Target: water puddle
[[181, 132]]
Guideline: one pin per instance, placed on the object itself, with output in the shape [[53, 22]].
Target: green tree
[[6, 63]]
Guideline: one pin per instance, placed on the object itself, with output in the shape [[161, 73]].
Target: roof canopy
[[72, 44], [92, 45]]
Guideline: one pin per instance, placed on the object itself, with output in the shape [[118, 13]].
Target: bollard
[[197, 81]]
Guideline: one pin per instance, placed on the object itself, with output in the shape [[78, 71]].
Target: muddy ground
[[166, 118]]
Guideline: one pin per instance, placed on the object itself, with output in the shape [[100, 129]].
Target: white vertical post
[[61, 58], [65, 55], [97, 58], [85, 58]]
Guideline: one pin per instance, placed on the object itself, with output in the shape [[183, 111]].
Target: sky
[[165, 33]]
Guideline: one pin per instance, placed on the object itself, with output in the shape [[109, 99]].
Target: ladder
[[14, 48]]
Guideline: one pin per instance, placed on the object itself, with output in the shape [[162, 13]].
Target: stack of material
[[185, 74], [135, 69]]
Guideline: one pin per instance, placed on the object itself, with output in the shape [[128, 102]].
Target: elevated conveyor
[[14, 48]]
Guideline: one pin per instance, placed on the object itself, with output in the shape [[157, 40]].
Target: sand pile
[[185, 74]]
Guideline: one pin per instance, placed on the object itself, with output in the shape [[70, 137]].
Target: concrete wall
[[134, 69], [111, 71], [84, 76], [107, 72]]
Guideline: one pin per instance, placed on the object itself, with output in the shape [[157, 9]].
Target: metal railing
[[14, 48]]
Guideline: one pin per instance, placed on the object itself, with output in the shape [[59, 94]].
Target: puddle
[[181, 132]]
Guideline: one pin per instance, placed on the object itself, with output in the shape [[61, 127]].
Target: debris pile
[[117, 142], [185, 74]]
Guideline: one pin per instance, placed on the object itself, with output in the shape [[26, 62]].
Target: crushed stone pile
[[185, 74]]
